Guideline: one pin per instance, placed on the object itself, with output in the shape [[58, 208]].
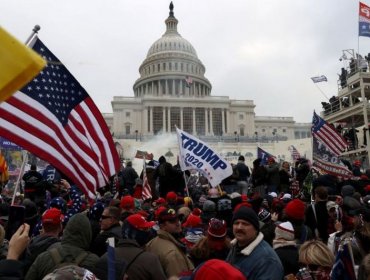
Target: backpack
[[58, 260]]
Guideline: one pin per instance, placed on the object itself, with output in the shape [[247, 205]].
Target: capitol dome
[[172, 67]]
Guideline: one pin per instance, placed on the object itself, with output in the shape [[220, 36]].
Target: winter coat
[[11, 270], [143, 265], [257, 260], [243, 171], [38, 245], [99, 245], [76, 239], [273, 177], [129, 176], [289, 258], [171, 254], [320, 222]]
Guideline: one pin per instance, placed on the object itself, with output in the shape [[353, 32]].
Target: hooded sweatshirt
[[76, 239]]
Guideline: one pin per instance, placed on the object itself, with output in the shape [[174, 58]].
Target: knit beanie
[[295, 209], [284, 231], [247, 214], [209, 206]]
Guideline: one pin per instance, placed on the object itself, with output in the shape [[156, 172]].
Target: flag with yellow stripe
[[18, 63], [4, 173]]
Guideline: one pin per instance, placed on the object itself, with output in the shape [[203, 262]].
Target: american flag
[[147, 191], [54, 118], [189, 81], [294, 153], [327, 134]]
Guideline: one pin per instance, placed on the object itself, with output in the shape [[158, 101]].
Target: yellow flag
[[18, 64]]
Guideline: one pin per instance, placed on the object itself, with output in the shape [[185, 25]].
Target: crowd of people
[[273, 221]]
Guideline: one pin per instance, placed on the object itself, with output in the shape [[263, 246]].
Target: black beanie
[[247, 214]]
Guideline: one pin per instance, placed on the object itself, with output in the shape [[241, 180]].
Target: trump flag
[[54, 118], [195, 154]]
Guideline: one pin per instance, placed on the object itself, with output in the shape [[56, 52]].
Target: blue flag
[[263, 155]]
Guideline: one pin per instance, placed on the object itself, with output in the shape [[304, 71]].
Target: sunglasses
[[103, 217]]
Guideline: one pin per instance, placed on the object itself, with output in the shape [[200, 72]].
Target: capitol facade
[[173, 91]]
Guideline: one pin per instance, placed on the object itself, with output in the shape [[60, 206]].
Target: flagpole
[[25, 158], [35, 30], [321, 91]]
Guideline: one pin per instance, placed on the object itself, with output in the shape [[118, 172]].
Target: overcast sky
[[265, 50]]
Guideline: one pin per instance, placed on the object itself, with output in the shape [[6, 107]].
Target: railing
[[212, 139]]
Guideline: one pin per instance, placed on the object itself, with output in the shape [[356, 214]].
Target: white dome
[[172, 43]]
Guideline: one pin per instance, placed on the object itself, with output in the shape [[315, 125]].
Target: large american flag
[[54, 118], [327, 134]]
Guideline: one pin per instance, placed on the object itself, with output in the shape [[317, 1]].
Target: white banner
[[195, 154]]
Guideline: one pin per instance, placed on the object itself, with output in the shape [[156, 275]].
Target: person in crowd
[[285, 178], [140, 265], [165, 173], [285, 247], [193, 229], [317, 216], [253, 256], [301, 168], [244, 175], [167, 247], [215, 245], [268, 225], [51, 230], [110, 227], [259, 174], [129, 176], [127, 206], [150, 170], [94, 215], [209, 211], [31, 179], [273, 177], [294, 212], [75, 243], [317, 261]]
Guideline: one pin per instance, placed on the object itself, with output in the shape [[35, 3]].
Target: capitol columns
[[211, 121], [169, 119], [181, 118], [223, 120], [151, 121], [206, 120], [145, 128], [194, 124], [164, 119]]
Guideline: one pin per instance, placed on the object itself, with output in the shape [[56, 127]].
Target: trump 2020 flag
[[18, 64], [319, 79], [54, 118], [195, 154], [364, 20], [263, 155]]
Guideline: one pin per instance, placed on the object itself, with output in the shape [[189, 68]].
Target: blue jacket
[[257, 261]]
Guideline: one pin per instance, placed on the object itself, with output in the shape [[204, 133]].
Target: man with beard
[[253, 256], [171, 252]]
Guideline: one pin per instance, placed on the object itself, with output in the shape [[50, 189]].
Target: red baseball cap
[[127, 202], [52, 216], [139, 222]]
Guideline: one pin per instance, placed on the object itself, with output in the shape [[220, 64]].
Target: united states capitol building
[[173, 91]]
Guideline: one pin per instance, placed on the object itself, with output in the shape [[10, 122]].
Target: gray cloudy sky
[[263, 50]]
